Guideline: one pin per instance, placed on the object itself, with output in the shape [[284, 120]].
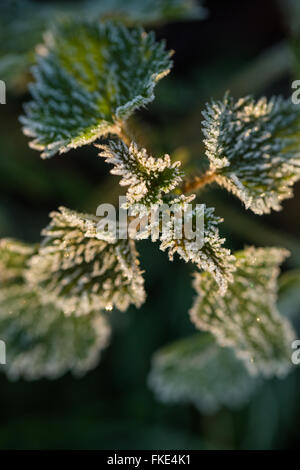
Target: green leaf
[[80, 273], [253, 149], [209, 255], [246, 317], [148, 178], [90, 78], [42, 342], [198, 370], [13, 258]]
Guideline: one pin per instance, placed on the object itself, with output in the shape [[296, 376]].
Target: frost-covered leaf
[[205, 250], [198, 370], [246, 317], [253, 149], [13, 258], [80, 273], [148, 178], [89, 78], [42, 342]]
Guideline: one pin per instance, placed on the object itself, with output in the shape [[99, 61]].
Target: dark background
[[112, 407]]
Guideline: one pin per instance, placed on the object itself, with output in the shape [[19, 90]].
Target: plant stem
[[124, 134], [198, 182]]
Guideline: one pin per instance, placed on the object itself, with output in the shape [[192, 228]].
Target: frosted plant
[[198, 370], [42, 342], [211, 256], [151, 182], [102, 73], [79, 272], [148, 178], [246, 317], [13, 258], [90, 78], [253, 149]]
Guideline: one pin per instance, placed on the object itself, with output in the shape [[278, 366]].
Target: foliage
[[79, 273], [253, 149], [79, 97], [246, 317], [90, 78], [198, 370], [148, 178], [41, 341], [151, 182]]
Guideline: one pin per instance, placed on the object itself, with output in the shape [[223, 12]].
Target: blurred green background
[[241, 46]]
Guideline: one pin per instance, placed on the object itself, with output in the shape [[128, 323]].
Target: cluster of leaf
[[41, 341], [151, 182], [23, 23], [90, 78], [249, 339]]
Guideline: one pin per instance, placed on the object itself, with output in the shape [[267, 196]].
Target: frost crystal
[[90, 77], [148, 178], [198, 370], [246, 317], [80, 273], [253, 149]]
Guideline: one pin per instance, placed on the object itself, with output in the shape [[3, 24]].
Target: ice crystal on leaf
[[198, 370], [42, 342], [151, 183], [13, 258], [89, 78], [148, 178], [254, 149], [80, 273], [206, 251], [246, 317]]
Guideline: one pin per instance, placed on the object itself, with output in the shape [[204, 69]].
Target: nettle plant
[[55, 297]]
